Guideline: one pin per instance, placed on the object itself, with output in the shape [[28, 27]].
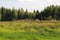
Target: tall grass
[[30, 30]]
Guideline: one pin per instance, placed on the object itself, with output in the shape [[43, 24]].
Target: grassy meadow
[[30, 30]]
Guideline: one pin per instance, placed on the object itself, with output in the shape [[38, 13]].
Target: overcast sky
[[28, 4]]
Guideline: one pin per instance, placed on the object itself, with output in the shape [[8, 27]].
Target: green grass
[[30, 30]]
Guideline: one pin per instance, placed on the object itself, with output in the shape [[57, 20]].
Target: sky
[[28, 4]]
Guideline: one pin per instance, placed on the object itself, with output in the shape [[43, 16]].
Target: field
[[30, 30]]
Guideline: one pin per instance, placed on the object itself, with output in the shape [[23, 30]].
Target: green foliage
[[14, 13], [49, 13], [25, 15]]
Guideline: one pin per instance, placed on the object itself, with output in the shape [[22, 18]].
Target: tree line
[[49, 13]]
